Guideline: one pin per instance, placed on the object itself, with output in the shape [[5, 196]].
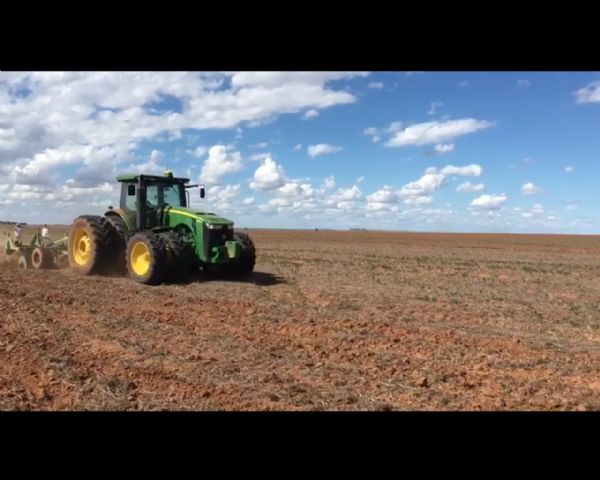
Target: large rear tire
[[146, 261], [88, 244]]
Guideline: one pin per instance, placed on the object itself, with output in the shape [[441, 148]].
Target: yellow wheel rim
[[81, 248], [140, 259]]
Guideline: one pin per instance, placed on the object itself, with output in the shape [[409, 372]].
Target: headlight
[[215, 227]]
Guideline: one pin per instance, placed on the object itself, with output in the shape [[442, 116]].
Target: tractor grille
[[216, 237]]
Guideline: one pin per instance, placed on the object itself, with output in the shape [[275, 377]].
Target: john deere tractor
[[154, 235]]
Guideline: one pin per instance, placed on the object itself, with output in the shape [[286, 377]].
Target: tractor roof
[[134, 177]]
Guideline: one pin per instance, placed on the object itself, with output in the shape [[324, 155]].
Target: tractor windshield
[[171, 195]]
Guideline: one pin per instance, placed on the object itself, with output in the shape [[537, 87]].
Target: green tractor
[[154, 235]]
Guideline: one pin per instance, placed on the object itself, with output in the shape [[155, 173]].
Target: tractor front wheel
[[244, 266], [146, 260]]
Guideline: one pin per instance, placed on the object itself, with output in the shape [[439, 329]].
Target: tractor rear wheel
[[42, 258], [88, 244], [146, 262]]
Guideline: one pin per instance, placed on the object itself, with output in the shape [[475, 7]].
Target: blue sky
[[433, 151]]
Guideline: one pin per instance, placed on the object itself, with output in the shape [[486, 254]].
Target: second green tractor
[[154, 235]]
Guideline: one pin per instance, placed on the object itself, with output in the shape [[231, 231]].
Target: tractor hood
[[203, 217]]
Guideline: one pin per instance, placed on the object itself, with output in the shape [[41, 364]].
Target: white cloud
[[433, 106], [428, 183], [248, 201], [359, 180], [370, 131], [345, 194], [467, 171], [321, 149], [268, 176], [151, 166], [489, 202], [219, 163], [312, 113], [464, 83], [377, 85], [589, 94], [329, 183], [198, 151], [418, 200], [435, 132], [298, 147], [523, 83], [296, 189], [259, 157], [386, 195], [537, 208], [569, 169], [443, 148], [530, 189], [346, 205], [527, 215], [468, 187], [223, 194]]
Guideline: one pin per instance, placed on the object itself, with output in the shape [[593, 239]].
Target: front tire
[[146, 260], [244, 267]]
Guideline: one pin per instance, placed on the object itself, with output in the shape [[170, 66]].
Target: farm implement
[[39, 253]]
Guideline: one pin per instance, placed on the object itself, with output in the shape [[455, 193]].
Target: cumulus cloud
[[588, 94], [435, 132], [530, 189], [268, 176], [468, 170], [223, 194], [298, 147], [376, 85], [198, 151], [219, 163], [346, 194], [322, 149], [569, 169], [385, 195], [468, 187], [490, 202]]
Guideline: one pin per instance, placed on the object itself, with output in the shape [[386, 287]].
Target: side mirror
[[202, 192], [131, 190]]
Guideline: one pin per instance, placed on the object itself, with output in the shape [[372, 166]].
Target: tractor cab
[[145, 197]]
